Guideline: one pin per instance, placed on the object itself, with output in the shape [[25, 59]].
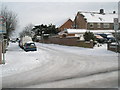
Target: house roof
[[99, 18], [60, 23]]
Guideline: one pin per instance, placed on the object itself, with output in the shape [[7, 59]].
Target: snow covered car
[[111, 38], [30, 47], [13, 40]]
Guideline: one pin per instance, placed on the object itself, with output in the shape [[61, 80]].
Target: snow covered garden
[[57, 66]]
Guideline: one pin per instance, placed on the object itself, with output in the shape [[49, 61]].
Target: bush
[[89, 36]]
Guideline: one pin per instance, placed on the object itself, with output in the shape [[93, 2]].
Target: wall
[[69, 42], [113, 48], [80, 22]]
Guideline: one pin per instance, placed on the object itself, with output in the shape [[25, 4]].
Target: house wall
[[67, 25], [111, 26], [80, 22]]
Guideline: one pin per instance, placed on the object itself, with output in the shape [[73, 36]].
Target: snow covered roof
[[80, 31], [97, 17], [29, 42]]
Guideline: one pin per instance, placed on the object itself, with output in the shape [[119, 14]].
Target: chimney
[[101, 11], [114, 12]]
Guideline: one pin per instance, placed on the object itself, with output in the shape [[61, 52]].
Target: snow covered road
[[60, 66]]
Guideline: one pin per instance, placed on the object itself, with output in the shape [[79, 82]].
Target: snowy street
[[57, 66]]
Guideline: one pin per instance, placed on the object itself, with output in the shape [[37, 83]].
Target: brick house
[[95, 20], [67, 24]]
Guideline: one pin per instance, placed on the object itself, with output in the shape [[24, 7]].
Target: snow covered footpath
[[60, 66], [17, 60], [0, 77]]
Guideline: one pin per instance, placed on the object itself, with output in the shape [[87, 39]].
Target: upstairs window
[[98, 25], [106, 25], [91, 25]]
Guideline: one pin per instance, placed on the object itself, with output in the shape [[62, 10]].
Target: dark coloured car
[[100, 39], [108, 37], [30, 47]]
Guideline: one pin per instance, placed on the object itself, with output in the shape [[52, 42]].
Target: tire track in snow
[[72, 68], [61, 66]]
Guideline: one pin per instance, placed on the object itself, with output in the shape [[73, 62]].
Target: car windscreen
[[30, 44]]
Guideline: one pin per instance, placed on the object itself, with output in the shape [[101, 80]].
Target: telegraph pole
[[2, 45]]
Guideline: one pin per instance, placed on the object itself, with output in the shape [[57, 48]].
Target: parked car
[[13, 40], [24, 40], [30, 46], [108, 37], [100, 39], [111, 38]]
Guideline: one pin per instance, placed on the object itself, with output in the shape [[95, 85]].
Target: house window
[[106, 25], [91, 25], [72, 26], [98, 25], [75, 26]]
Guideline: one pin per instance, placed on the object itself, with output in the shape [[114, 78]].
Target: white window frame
[[106, 25], [91, 25], [98, 25]]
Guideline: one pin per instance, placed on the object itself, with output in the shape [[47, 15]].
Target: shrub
[[89, 36]]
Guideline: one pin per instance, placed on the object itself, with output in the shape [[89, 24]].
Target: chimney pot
[[101, 11], [114, 12]]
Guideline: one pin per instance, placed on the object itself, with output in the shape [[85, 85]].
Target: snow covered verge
[[0, 77], [60, 66]]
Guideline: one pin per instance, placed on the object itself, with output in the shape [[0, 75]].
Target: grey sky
[[52, 12], [59, 0]]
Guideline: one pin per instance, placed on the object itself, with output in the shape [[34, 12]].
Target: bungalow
[[95, 20], [79, 32]]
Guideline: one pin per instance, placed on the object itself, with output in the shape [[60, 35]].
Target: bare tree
[[27, 31], [11, 20]]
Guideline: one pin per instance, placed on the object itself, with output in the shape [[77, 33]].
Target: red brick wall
[[69, 42], [80, 22]]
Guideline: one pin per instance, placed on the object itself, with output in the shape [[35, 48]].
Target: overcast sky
[[53, 12], [59, 0]]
